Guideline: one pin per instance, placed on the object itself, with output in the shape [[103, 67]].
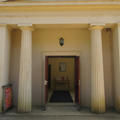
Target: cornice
[[28, 7], [58, 3]]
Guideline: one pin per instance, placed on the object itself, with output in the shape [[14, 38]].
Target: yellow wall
[[56, 74], [76, 39]]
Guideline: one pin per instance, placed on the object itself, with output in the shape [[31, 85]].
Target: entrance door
[[46, 79], [77, 80]]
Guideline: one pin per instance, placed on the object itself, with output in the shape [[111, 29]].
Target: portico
[[46, 23]]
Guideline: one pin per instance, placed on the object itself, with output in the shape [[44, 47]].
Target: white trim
[[61, 53], [12, 4], [26, 25], [60, 20], [97, 24]]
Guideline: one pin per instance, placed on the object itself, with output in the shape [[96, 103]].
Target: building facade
[[30, 31]]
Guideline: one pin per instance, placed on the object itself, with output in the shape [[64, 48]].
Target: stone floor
[[60, 112]]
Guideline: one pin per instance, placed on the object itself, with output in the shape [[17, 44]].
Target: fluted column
[[97, 73], [4, 59], [25, 73], [116, 44]]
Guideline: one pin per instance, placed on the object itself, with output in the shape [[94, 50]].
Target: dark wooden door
[[77, 80], [49, 76], [46, 79]]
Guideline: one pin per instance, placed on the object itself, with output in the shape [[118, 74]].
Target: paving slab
[[60, 112]]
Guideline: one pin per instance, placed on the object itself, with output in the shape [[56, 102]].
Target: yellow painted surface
[[76, 39], [56, 73], [18, 9], [27, 6]]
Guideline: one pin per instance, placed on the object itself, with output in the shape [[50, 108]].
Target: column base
[[98, 108], [24, 111], [24, 108]]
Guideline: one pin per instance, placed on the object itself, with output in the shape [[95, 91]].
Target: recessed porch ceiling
[[54, 26]]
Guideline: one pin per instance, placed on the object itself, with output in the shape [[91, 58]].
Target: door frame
[[53, 53], [77, 80]]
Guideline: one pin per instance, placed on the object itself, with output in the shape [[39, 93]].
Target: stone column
[[97, 73], [4, 59], [116, 48], [25, 73]]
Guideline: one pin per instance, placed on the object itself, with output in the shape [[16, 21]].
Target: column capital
[[116, 25], [96, 26], [6, 26], [3, 25], [26, 27]]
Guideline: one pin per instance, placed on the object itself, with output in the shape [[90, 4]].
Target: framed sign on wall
[[62, 67], [7, 97]]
